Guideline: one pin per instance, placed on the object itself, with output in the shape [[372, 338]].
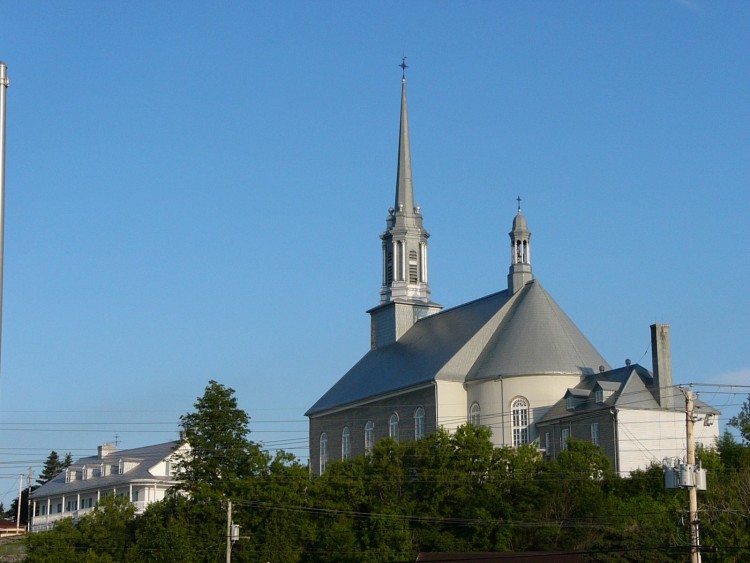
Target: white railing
[[44, 522]]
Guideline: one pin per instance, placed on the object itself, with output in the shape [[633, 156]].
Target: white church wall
[[451, 405], [496, 397], [647, 436]]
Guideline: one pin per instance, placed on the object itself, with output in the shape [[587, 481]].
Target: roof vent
[[601, 369], [627, 361]]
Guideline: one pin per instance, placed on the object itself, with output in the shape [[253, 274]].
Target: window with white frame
[[475, 414], [369, 436], [346, 443], [393, 427], [570, 403], [564, 435], [595, 433], [520, 421], [418, 423], [547, 443], [599, 395], [323, 452]]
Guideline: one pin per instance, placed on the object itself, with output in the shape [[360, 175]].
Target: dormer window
[[84, 473], [570, 403], [599, 395]]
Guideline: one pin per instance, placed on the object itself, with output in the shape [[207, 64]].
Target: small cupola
[[520, 253]]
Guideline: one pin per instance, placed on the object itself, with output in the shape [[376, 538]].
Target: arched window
[[520, 419], [323, 452], [475, 414], [418, 423], [393, 427], [369, 436], [346, 443]]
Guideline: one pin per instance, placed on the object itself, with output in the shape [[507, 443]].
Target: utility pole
[[4, 82], [28, 504], [18, 504], [689, 475], [695, 554], [229, 531]]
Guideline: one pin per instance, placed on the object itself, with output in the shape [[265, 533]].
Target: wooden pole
[[695, 554], [18, 504], [229, 531], [28, 506]]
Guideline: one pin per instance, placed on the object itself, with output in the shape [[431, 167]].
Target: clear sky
[[195, 191]]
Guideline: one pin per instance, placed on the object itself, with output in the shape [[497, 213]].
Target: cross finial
[[403, 66], [518, 199]]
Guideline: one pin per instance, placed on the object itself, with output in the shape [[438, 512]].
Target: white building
[[637, 417], [143, 475], [502, 361]]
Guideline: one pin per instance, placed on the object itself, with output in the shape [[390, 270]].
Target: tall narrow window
[[595, 433], [369, 436], [475, 414], [520, 419], [346, 443], [323, 452], [393, 427], [389, 267], [564, 435], [418, 423], [413, 267], [547, 443]]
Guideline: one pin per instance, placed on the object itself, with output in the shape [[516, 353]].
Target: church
[[502, 361]]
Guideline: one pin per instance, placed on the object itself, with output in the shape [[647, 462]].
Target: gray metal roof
[[536, 337], [633, 388], [523, 334], [146, 457]]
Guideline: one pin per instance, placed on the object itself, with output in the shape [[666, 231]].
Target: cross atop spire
[[403, 66], [518, 199]]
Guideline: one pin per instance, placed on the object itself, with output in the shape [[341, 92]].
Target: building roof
[[628, 387], [499, 335], [536, 337], [144, 459]]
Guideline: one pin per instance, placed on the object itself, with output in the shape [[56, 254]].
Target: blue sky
[[195, 191]]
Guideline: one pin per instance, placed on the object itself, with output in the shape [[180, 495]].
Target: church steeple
[[520, 253], [405, 289], [404, 240]]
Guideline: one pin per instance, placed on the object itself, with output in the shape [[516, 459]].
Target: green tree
[[53, 466], [102, 536], [742, 421], [220, 455]]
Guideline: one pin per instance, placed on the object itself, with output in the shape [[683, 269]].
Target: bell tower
[[520, 253], [405, 288]]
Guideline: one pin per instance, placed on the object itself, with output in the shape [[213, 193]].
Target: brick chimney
[[105, 449], [661, 358]]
